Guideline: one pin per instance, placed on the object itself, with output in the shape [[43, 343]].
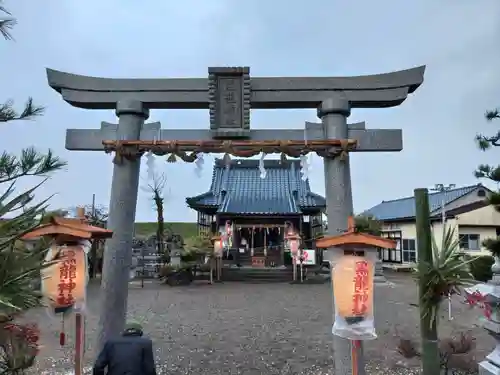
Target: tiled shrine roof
[[238, 189]]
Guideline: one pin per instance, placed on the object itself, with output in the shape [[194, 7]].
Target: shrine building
[[259, 209]]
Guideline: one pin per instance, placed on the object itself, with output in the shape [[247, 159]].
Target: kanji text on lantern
[[361, 289], [67, 277]]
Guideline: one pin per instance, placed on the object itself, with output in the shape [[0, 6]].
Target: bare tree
[[156, 187]]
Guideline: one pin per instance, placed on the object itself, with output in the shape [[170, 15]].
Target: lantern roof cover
[[72, 227], [351, 237]]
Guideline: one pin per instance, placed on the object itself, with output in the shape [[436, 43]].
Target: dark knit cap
[[133, 327]]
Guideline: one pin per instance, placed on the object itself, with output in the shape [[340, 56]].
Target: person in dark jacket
[[130, 354]]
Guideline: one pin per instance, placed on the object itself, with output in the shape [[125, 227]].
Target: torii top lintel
[[370, 91]]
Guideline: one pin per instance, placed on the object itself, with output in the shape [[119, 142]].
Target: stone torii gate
[[228, 94]]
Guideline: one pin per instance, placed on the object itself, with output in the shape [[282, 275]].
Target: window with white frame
[[409, 250], [470, 242]]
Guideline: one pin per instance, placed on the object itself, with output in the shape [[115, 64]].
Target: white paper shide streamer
[[199, 165], [304, 162], [304, 167], [262, 169], [150, 163]]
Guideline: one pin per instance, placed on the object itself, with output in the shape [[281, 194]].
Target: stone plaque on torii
[[228, 94]]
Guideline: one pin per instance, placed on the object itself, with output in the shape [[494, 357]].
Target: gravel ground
[[250, 329]]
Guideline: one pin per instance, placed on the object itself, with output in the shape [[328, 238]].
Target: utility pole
[[428, 325], [443, 189], [93, 205], [95, 242]]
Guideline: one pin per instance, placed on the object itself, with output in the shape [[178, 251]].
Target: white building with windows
[[466, 210]]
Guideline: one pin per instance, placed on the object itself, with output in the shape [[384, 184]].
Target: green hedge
[[481, 268]]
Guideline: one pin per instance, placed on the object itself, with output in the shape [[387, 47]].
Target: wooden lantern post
[[354, 254], [66, 235]]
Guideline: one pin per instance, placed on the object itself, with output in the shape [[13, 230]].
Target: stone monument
[[228, 94]]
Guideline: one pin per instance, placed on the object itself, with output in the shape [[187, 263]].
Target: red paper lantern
[[64, 282], [353, 286]]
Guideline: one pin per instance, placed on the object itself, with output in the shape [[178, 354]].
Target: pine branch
[[484, 142], [491, 115], [494, 200], [6, 24], [8, 113], [30, 163], [488, 171], [367, 224]]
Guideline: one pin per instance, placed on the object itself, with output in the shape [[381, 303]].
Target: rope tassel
[[62, 334], [344, 147]]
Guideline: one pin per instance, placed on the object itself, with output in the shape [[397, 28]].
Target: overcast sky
[[456, 39]]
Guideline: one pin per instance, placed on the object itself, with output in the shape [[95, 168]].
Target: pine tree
[[368, 224], [490, 172], [7, 22], [19, 213]]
